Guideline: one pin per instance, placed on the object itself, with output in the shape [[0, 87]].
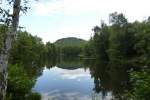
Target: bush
[[141, 85], [19, 83], [34, 96]]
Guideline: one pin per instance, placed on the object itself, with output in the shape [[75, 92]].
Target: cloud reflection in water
[[63, 84]]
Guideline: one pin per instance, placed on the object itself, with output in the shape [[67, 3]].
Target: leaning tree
[[9, 16]]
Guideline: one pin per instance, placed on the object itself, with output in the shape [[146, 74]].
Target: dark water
[[75, 80]]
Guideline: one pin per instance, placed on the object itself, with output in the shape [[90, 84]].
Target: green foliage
[[121, 38], [89, 50], [121, 41], [125, 43], [25, 66], [142, 45], [141, 85], [117, 19], [100, 41], [19, 83], [70, 51], [51, 51], [70, 47], [113, 42], [27, 49], [34, 96], [70, 41]]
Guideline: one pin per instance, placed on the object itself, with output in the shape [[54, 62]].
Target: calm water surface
[[67, 84], [89, 80]]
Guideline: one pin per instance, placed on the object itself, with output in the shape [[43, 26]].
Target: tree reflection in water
[[109, 79]]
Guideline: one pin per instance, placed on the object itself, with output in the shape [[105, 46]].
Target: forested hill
[[70, 41]]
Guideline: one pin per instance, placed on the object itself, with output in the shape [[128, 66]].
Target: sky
[[55, 19]]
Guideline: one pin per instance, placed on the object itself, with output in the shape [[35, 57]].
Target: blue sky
[[54, 19]]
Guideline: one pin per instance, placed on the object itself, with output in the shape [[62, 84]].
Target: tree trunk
[[4, 53]]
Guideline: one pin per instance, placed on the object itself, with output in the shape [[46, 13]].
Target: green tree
[[89, 50], [11, 21], [27, 49], [121, 38], [51, 51], [101, 41], [19, 83], [141, 85], [71, 51], [142, 39]]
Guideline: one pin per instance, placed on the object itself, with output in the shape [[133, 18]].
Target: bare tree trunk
[[4, 54]]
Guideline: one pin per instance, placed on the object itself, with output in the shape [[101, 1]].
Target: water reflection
[[75, 80], [21, 79], [109, 78], [70, 79], [72, 63], [64, 84]]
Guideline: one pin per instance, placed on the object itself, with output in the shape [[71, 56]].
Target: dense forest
[[70, 41], [120, 43], [70, 47], [28, 55], [124, 43]]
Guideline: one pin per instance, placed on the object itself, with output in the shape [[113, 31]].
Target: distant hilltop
[[70, 41]]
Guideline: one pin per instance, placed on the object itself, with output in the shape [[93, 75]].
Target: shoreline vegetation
[[121, 44]]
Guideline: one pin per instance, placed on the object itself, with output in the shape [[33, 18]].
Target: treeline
[[121, 41], [30, 50], [69, 51], [27, 58], [70, 47], [124, 42], [27, 49], [25, 64]]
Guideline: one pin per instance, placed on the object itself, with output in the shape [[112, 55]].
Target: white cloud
[[64, 95], [72, 74], [74, 95], [76, 18], [47, 8], [71, 7], [68, 31]]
